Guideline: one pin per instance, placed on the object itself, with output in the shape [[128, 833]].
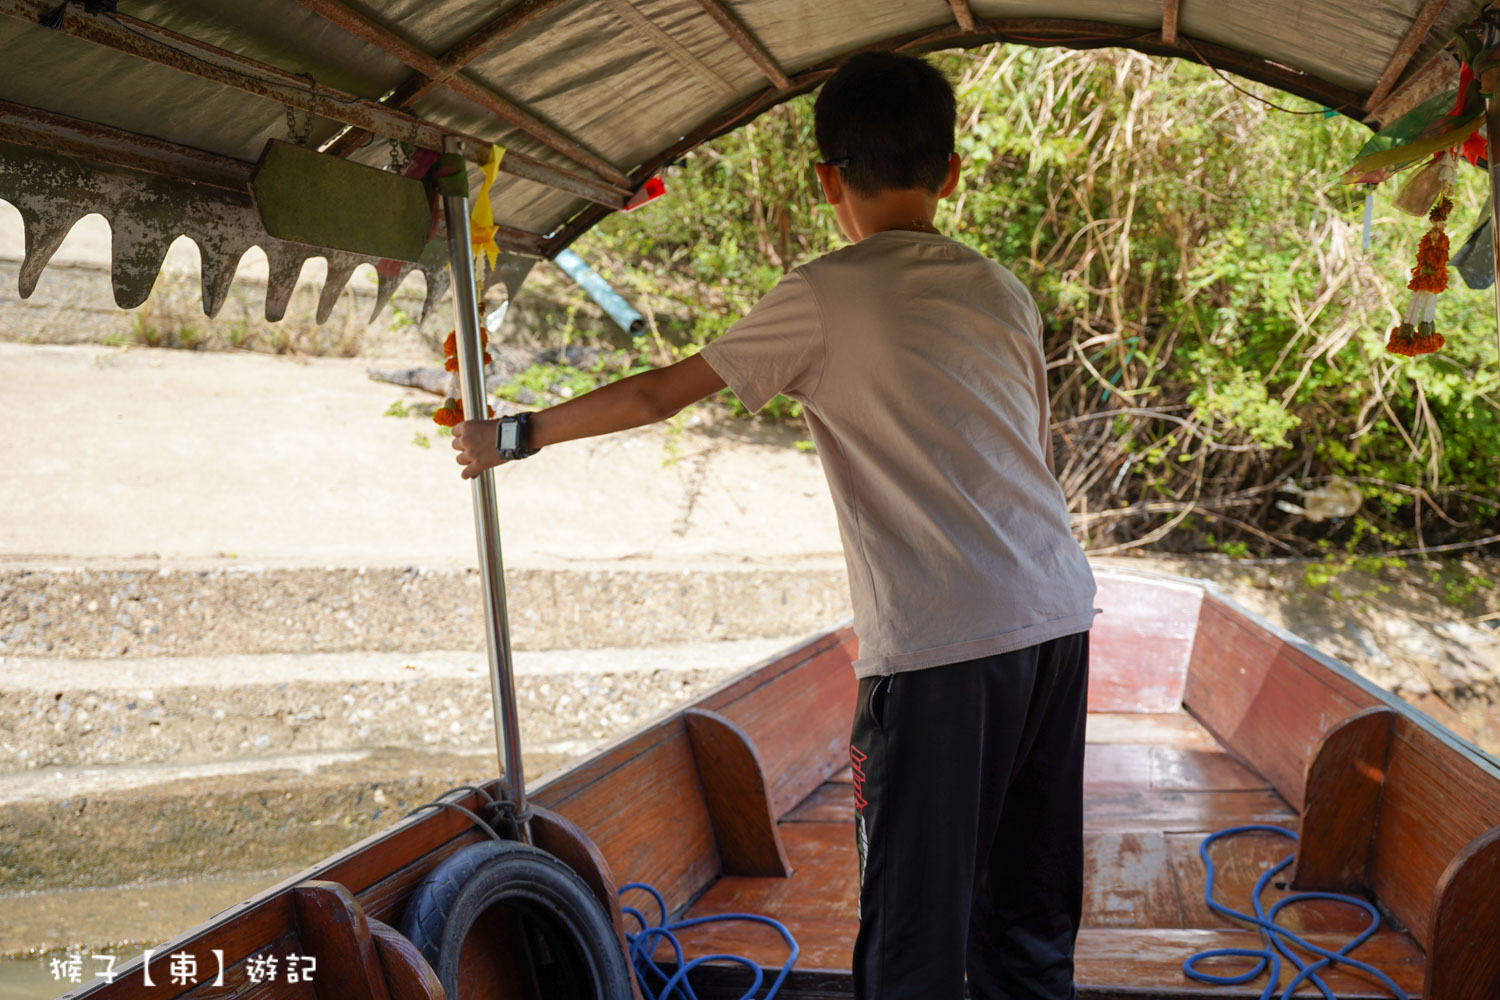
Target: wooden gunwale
[[1353, 682], [251, 927]]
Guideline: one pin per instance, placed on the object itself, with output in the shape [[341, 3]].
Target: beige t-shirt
[[919, 365]]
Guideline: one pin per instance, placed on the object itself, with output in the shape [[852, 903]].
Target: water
[[117, 922], [30, 978]]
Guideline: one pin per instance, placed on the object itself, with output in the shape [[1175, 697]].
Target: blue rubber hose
[[643, 944], [1279, 940]]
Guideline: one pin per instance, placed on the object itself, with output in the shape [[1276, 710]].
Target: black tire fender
[[575, 956]]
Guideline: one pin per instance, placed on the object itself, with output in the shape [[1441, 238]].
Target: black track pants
[[968, 786]]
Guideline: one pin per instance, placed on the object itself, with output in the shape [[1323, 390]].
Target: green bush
[[1215, 330]]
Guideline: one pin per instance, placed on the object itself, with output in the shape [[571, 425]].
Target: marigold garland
[[450, 350], [1431, 272], [1417, 331], [452, 410], [481, 237]]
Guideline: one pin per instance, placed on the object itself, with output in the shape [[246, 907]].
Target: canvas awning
[[154, 115]]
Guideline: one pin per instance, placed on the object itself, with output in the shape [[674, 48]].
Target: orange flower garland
[[1431, 272], [450, 349], [450, 413], [1417, 331], [452, 410], [481, 239]]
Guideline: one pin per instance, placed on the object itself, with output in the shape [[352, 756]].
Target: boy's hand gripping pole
[[486, 514]]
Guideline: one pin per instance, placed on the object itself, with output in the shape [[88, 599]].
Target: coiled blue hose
[[643, 945], [1279, 938]]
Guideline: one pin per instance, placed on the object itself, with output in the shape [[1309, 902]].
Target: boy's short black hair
[[888, 121]]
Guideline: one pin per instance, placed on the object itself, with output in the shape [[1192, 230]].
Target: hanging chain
[[399, 156], [301, 137], [402, 150]]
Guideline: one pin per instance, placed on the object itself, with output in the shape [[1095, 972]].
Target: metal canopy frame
[[605, 186], [138, 38], [1079, 35]]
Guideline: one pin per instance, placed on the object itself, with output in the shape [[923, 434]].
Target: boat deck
[[1155, 786]]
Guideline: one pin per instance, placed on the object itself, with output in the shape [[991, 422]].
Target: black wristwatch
[[513, 436]]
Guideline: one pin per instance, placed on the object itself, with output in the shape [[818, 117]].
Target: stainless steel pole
[[486, 512]]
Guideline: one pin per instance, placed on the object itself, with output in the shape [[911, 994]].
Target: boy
[[919, 365]]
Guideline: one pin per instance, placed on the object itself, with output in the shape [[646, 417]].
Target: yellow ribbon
[[482, 226]]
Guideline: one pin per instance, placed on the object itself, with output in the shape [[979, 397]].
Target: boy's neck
[[908, 208], [861, 215]]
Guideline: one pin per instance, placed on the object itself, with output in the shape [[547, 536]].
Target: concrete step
[[70, 713], [201, 459], [141, 610]]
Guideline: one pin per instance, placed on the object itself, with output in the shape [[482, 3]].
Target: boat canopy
[[157, 117]]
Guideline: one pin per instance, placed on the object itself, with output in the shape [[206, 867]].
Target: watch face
[[510, 435]]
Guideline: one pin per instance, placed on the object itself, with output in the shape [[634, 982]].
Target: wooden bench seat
[[1158, 779], [359, 958]]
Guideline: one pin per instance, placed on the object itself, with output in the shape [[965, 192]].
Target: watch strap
[[522, 424]]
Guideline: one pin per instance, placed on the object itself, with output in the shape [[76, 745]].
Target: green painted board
[[305, 196]]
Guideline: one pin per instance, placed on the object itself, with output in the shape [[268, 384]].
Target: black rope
[[479, 822], [504, 815], [507, 808], [1254, 96], [488, 798]]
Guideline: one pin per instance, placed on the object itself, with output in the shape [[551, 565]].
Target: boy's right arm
[[631, 402]]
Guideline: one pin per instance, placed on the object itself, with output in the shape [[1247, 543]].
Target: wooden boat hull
[[1202, 717]]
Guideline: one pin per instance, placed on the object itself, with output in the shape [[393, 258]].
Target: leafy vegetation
[[1216, 334]]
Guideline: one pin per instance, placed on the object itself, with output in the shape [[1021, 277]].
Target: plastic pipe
[[598, 289]]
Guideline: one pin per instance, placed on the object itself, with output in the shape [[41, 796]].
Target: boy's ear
[[832, 181], [950, 183]]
